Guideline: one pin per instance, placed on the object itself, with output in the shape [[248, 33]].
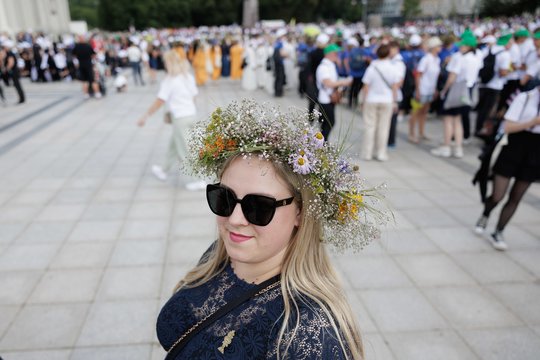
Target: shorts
[[86, 74], [424, 99], [520, 159]]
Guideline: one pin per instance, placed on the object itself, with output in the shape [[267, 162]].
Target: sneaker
[[442, 151], [381, 158], [481, 224], [458, 152], [98, 95], [159, 173], [196, 185], [497, 241]]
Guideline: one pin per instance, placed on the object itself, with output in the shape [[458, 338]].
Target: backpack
[[487, 72], [357, 63], [409, 82]]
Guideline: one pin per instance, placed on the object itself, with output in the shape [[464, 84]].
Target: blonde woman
[[177, 92], [268, 277]]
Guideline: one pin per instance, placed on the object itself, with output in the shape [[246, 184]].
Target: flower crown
[[345, 208]]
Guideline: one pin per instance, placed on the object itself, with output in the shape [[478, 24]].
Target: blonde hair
[[306, 273], [175, 64]]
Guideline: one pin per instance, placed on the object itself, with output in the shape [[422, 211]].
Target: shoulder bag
[[209, 319], [458, 95]]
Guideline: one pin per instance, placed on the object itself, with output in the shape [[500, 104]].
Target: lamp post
[[364, 13]]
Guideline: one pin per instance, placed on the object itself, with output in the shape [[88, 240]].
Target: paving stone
[[58, 286], [376, 348], [407, 241], [130, 283], [433, 270], [61, 213], [43, 354], [113, 353], [440, 345], [470, 307], [150, 210], [457, 239], [403, 309], [37, 327], [18, 213], [17, 286], [200, 226], [528, 259], [72, 196], [491, 267], [521, 299], [28, 257], [106, 212], [96, 231], [145, 229], [9, 231], [7, 314], [374, 272], [114, 195], [131, 253], [82, 255], [426, 217], [119, 322], [46, 232], [504, 344], [40, 197]]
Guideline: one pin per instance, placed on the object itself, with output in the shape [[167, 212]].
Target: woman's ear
[[298, 218]]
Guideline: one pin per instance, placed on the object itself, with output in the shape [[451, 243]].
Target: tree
[[411, 9], [84, 10], [507, 7]]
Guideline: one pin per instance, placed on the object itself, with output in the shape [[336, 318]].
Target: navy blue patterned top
[[256, 324]]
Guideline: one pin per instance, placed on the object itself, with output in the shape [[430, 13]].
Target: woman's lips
[[238, 238]]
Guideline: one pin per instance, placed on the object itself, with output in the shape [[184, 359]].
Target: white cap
[[434, 42], [8, 44], [353, 42], [281, 32], [478, 32], [322, 39], [415, 40], [490, 39]]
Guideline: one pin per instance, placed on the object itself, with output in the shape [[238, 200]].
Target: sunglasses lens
[[220, 200], [258, 209]]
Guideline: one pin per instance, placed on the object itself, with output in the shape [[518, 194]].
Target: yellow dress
[[181, 52], [198, 61], [215, 55], [236, 61]]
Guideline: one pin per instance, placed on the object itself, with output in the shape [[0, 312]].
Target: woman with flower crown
[[266, 288]]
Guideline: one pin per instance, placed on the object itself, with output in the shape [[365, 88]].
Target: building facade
[[51, 16]]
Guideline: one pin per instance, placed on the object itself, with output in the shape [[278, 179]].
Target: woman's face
[[253, 244]]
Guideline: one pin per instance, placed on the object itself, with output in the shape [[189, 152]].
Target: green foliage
[[507, 7], [120, 14], [411, 9]]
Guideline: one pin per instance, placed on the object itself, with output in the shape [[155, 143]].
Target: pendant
[[226, 341]]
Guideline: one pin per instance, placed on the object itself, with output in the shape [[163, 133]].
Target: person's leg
[[422, 116], [139, 72], [370, 117], [19, 88], [465, 122], [500, 186], [327, 119], [385, 114], [392, 129], [413, 119], [516, 194]]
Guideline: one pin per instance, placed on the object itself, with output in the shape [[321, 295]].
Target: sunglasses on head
[[257, 209]]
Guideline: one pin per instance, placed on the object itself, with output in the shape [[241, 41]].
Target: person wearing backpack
[[411, 57], [496, 66], [358, 63]]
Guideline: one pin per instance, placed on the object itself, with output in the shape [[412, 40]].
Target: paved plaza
[[91, 244]]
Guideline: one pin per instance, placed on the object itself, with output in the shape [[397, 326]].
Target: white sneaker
[[442, 151], [497, 241], [98, 95], [159, 173], [196, 185], [481, 224], [458, 152]]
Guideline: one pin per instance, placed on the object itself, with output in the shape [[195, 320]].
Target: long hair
[[174, 64], [306, 273]]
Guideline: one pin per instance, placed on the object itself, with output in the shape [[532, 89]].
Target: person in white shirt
[[177, 92], [379, 95], [519, 159], [326, 78], [134, 56], [490, 91], [533, 63], [462, 69], [426, 77]]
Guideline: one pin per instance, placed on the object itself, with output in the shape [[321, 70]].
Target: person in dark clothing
[[315, 58], [85, 54], [279, 68], [10, 69]]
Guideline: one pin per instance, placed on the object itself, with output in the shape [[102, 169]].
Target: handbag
[[336, 95], [458, 95], [167, 117], [204, 323]]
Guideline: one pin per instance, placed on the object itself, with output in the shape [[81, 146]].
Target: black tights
[[500, 186]]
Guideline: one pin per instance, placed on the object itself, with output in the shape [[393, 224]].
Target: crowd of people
[[389, 74]]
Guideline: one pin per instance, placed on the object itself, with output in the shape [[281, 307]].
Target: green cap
[[331, 48], [503, 40], [468, 41], [467, 33], [522, 33], [537, 35]]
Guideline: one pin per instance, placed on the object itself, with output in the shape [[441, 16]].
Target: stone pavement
[[91, 244]]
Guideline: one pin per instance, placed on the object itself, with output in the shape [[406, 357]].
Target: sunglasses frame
[[243, 202]]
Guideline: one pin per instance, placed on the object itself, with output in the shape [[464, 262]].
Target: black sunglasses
[[257, 209]]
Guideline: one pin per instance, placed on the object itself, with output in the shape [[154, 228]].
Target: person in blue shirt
[[358, 62]]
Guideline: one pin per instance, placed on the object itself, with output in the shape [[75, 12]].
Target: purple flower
[[344, 167]]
